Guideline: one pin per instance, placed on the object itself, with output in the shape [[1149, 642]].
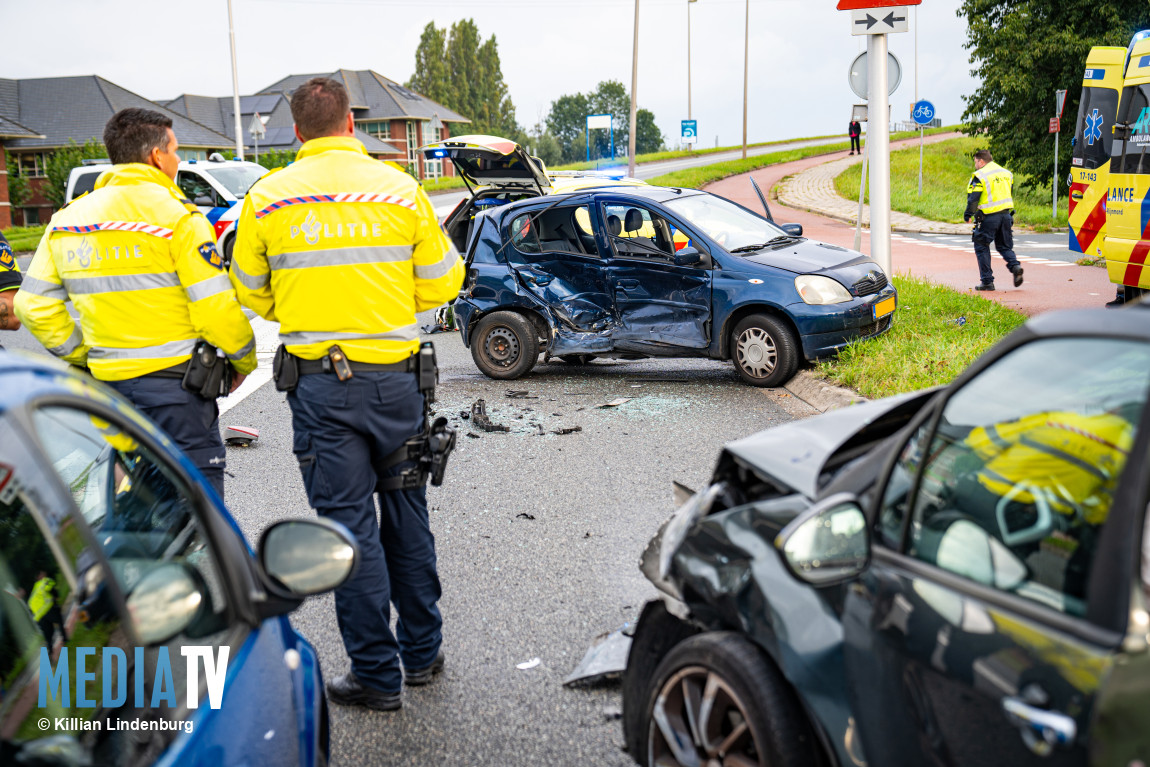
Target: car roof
[[612, 188], [27, 376]]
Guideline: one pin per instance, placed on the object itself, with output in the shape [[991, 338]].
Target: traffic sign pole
[[878, 144], [1055, 124]]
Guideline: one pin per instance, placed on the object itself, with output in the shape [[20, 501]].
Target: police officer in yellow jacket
[[9, 284], [343, 250], [989, 202], [140, 265]]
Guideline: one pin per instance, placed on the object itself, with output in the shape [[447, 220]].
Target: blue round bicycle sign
[[923, 112]]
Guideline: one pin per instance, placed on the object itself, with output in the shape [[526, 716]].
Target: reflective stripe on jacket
[[141, 268], [994, 185], [341, 249]]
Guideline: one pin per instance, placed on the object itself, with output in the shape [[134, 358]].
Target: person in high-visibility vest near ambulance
[[989, 202]]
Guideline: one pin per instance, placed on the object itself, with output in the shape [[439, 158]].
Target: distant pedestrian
[[855, 131], [9, 284], [989, 202]]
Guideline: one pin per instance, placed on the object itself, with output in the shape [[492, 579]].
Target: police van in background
[[215, 186]]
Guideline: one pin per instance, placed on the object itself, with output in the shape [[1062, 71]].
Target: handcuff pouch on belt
[[209, 373], [429, 449]]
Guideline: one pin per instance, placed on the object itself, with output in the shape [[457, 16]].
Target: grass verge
[[23, 237], [926, 346], [946, 170], [454, 182]]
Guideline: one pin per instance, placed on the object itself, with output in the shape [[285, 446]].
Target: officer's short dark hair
[[319, 107], [132, 134], [984, 155]]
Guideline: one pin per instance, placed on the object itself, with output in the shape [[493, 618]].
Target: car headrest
[[634, 220], [614, 225]]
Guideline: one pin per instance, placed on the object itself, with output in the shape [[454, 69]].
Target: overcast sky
[[800, 51]]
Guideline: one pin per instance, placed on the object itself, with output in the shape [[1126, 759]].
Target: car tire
[[742, 687], [229, 244], [505, 345], [764, 351], [577, 359]]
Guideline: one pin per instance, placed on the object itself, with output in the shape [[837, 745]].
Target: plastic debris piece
[[480, 419], [960, 321], [473, 435], [528, 664], [464, 414], [615, 402], [605, 659], [612, 711], [520, 394], [567, 430], [240, 436], [525, 515]]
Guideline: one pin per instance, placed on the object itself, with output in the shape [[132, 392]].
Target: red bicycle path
[[1045, 288]]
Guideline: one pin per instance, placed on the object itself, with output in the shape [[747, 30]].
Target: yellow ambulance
[[1090, 158]]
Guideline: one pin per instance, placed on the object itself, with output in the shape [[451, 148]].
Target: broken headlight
[[655, 563], [816, 289]]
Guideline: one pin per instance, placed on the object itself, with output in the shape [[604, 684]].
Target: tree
[[567, 121], [567, 118], [18, 191], [1024, 50], [273, 158], [61, 162], [458, 69], [648, 137]]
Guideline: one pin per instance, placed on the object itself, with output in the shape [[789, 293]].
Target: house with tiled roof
[[387, 111], [39, 116], [218, 113]]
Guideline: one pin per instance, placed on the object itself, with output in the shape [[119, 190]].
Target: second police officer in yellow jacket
[[989, 201], [342, 251], [139, 264]]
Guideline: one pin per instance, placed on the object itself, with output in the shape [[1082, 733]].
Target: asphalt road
[[538, 539], [1044, 249]]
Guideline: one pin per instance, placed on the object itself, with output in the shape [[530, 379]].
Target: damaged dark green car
[[947, 577]]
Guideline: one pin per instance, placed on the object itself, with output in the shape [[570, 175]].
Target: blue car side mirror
[[688, 256], [795, 230]]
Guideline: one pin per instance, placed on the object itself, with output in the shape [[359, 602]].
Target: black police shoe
[[422, 676], [1017, 271], [347, 690], [984, 286]]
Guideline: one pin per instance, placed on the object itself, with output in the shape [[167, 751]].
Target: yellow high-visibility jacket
[[342, 249], [140, 265], [994, 185], [41, 600], [1073, 460]]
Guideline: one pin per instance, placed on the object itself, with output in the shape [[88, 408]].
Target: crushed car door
[[659, 304], [555, 258], [993, 612]]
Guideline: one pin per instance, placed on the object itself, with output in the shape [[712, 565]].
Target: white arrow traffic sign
[[879, 21]]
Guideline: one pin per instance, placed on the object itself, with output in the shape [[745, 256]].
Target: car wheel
[[505, 346], [716, 699], [229, 244], [577, 359], [764, 351]]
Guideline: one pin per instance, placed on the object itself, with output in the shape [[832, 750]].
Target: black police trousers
[[995, 228], [341, 428], [191, 421]]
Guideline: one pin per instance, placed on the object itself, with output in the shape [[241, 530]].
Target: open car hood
[[491, 161], [795, 455]]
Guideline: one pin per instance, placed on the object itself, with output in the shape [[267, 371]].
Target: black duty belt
[[175, 371], [323, 365]]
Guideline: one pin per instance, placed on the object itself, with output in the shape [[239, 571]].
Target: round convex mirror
[[307, 556], [829, 546], [164, 603]]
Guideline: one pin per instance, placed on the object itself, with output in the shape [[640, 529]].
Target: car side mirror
[[166, 601], [828, 543], [308, 556], [688, 256], [795, 230], [203, 201]]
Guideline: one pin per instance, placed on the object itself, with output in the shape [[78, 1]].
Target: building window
[[29, 164], [31, 216], [381, 130], [412, 149], [192, 154], [432, 168]]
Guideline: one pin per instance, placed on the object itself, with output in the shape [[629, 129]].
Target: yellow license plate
[[884, 307]]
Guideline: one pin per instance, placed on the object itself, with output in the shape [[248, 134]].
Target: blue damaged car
[[643, 271], [115, 556]]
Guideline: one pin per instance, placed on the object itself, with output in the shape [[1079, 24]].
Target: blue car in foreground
[[644, 271], [116, 556]]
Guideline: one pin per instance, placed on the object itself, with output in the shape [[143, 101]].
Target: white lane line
[[267, 339]]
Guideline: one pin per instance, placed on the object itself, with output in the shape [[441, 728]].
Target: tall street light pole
[[746, 68], [634, 87], [235, 86], [689, 57]]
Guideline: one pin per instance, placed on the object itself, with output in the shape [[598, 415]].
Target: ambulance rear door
[[1090, 158], [1128, 198]]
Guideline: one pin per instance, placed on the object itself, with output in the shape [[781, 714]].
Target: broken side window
[[524, 236]]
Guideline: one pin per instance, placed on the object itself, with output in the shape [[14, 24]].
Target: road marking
[[267, 339]]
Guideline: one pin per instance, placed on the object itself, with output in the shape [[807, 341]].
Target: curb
[[820, 394]]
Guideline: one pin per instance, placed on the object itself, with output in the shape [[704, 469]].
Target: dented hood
[[807, 256], [793, 455]]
